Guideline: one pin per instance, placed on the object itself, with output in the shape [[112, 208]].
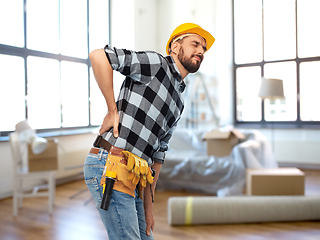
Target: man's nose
[[200, 50]]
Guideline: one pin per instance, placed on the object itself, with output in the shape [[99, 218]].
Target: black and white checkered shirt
[[149, 103]]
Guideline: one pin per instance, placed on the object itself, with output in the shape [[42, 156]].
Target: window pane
[[279, 29], [43, 93], [73, 28], [98, 106], [308, 28], [43, 25], [74, 94], [11, 23], [12, 97], [285, 109], [248, 102], [248, 31], [309, 91], [98, 24]]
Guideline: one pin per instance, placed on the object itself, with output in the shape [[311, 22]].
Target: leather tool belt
[[114, 163], [100, 142], [129, 169]]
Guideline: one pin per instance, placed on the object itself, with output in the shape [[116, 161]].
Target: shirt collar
[[182, 86], [176, 73], [173, 68]]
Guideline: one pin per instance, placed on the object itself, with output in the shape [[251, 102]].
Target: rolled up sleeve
[[159, 156]]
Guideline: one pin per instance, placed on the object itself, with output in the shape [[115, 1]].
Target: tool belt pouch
[[122, 184], [139, 171]]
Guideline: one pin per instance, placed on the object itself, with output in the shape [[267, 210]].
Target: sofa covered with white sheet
[[188, 167]]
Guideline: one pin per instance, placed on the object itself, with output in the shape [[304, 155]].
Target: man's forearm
[[149, 192], [103, 73], [157, 167]]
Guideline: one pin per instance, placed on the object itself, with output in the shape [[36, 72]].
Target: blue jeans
[[125, 217]]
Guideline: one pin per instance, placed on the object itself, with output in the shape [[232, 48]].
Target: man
[[141, 122]]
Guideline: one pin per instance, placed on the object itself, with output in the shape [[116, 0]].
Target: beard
[[187, 63]]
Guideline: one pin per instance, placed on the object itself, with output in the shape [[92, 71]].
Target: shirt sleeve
[[140, 66], [159, 156]]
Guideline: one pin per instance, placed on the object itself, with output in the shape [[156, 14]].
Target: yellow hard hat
[[191, 28]]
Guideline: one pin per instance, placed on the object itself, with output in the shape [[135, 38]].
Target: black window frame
[[24, 52], [263, 123]]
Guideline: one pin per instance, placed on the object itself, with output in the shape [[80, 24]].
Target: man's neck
[[181, 68]]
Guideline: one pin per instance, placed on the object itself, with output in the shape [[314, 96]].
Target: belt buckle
[[97, 141]]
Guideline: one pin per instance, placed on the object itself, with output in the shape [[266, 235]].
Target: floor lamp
[[272, 89]]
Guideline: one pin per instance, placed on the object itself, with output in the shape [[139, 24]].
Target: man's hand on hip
[[109, 121]]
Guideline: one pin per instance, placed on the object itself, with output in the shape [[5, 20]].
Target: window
[[277, 39], [45, 71]]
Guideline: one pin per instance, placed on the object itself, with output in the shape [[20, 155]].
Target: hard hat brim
[[197, 30]]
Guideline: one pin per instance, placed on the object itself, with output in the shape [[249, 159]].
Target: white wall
[[145, 25], [300, 147]]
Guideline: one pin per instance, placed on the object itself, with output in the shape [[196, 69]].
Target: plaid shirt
[[149, 102]]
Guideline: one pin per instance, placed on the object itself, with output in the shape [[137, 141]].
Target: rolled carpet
[[242, 209]]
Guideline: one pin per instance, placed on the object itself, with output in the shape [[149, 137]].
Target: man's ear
[[175, 47]]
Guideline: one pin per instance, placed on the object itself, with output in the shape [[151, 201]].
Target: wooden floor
[[73, 219]]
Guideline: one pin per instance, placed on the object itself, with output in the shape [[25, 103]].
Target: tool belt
[[129, 168]]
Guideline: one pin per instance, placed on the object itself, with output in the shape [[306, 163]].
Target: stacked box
[[48, 160], [221, 143], [278, 181]]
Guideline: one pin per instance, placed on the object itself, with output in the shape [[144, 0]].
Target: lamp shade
[[271, 88]]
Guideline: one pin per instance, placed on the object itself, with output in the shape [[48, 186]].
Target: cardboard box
[[221, 143], [278, 181], [48, 160]]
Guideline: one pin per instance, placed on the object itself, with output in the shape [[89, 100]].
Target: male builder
[[136, 130]]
